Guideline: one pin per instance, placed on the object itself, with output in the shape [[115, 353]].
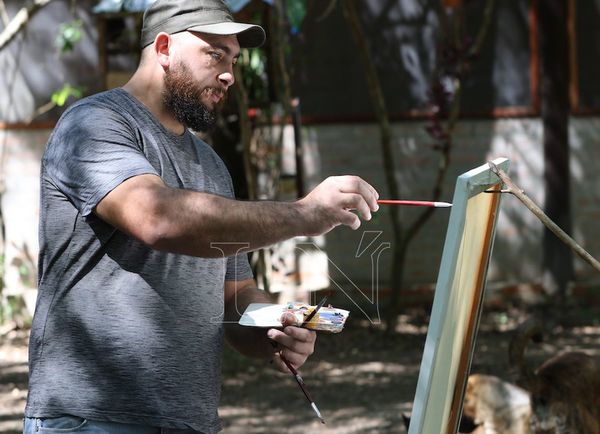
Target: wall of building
[[517, 252], [20, 155], [33, 67], [354, 149]]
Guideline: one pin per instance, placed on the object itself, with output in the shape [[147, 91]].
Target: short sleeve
[[238, 268], [92, 150]]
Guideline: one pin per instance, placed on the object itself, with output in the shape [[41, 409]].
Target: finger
[[355, 184], [284, 341], [348, 218], [356, 201], [295, 359], [301, 347], [364, 187], [301, 334], [368, 191], [298, 349], [289, 319]]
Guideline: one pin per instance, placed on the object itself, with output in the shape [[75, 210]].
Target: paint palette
[[328, 318]]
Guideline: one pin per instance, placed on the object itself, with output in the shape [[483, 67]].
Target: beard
[[182, 97]]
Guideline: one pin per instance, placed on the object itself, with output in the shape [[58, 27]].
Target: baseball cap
[[203, 16]]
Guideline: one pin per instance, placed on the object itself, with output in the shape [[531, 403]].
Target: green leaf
[[296, 11], [69, 34], [256, 62], [60, 96], [23, 270]]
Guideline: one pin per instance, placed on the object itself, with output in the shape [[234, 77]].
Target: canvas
[[457, 302]]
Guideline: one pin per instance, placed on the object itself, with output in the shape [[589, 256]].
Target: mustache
[[215, 91]]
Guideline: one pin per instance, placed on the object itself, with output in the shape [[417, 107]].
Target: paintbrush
[[415, 203], [300, 382], [295, 373], [313, 312]]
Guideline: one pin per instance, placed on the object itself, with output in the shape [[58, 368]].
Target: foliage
[[69, 34], [296, 12], [1, 272], [253, 64], [13, 308], [60, 96], [26, 265]]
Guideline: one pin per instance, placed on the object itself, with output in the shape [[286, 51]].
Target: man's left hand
[[296, 343]]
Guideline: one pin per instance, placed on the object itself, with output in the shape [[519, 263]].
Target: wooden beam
[[27, 126], [573, 69], [534, 56]]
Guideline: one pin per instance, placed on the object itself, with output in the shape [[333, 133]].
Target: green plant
[[60, 96], [69, 34], [253, 65], [1, 272]]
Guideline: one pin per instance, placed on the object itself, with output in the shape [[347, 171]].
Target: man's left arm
[[295, 343]]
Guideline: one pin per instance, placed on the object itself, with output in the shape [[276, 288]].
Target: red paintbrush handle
[[414, 203]]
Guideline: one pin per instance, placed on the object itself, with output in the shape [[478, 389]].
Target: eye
[[216, 56]]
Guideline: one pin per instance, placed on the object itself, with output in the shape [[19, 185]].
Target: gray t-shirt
[[122, 332]]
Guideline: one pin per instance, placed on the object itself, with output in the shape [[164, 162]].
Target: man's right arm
[[206, 225]]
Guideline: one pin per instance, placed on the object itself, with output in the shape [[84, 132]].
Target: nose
[[227, 78]]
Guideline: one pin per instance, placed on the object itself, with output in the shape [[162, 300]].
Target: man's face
[[185, 98], [196, 83]]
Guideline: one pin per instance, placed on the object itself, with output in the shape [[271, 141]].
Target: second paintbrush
[[415, 203]]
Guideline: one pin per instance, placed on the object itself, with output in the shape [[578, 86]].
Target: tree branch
[[4, 14], [20, 20], [531, 205]]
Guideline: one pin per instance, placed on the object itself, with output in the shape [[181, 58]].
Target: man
[[142, 246]]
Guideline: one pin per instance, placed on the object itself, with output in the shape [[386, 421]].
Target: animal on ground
[[564, 390], [561, 396], [496, 406], [492, 406]]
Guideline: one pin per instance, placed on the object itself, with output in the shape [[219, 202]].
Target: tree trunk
[[389, 161], [241, 96], [557, 267], [20, 21]]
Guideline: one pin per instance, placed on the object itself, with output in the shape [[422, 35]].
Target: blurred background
[[407, 94]]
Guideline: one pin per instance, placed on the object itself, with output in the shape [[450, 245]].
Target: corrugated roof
[[115, 6], [238, 5]]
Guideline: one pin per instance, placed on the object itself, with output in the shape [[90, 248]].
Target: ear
[[162, 47]]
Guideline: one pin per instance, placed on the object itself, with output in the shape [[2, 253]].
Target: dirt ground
[[361, 381]]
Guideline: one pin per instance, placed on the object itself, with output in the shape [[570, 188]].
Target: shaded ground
[[361, 382]]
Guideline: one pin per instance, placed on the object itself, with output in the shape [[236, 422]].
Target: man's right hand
[[331, 204]]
